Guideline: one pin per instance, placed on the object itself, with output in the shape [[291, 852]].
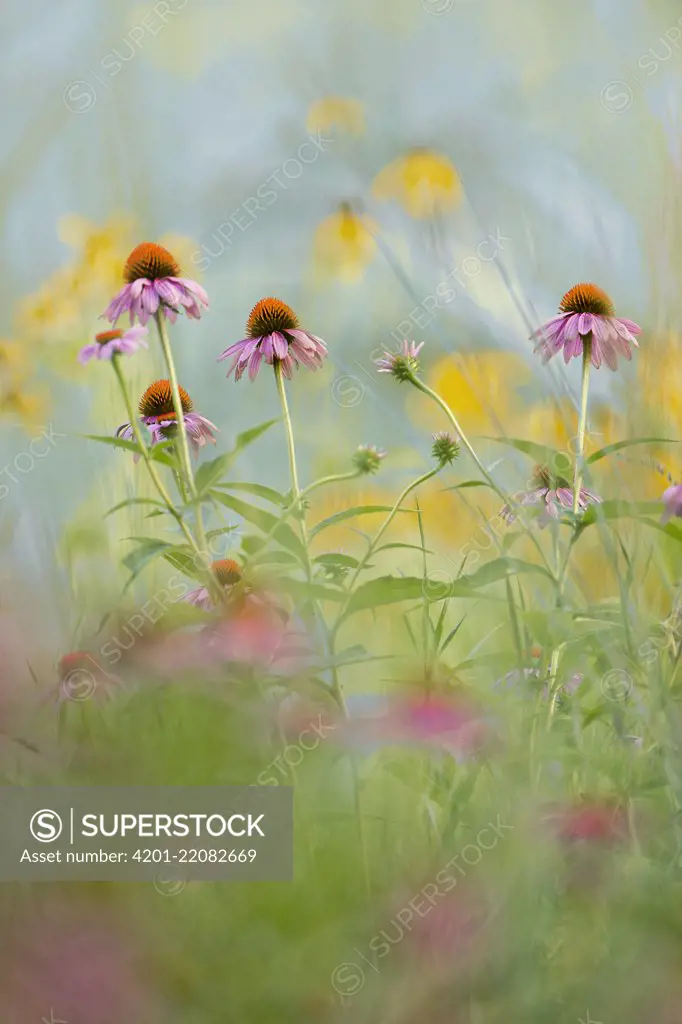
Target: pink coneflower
[[227, 572], [587, 316], [401, 364], [158, 415], [556, 494], [107, 344], [672, 499], [153, 284], [273, 334]]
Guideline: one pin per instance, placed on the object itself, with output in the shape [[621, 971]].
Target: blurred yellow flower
[[98, 249], [28, 407], [50, 311], [61, 308], [336, 112], [480, 387], [344, 244], [423, 181], [660, 380], [12, 357]]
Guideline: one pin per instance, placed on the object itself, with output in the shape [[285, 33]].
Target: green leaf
[[351, 513], [157, 452], [337, 558], [135, 501], [606, 511], [247, 437], [304, 591], [260, 491], [501, 568], [148, 549], [411, 547], [392, 589], [220, 532], [603, 452], [184, 559], [265, 521], [466, 483], [209, 473], [540, 452], [276, 557]]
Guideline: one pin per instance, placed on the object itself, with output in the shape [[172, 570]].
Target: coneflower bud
[[367, 459], [403, 365], [445, 448]]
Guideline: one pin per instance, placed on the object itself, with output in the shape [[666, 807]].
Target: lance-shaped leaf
[[157, 452], [352, 513], [391, 589], [265, 521], [610, 448], [213, 471]]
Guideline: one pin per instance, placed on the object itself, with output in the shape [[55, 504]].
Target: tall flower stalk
[[404, 366], [582, 425], [151, 468], [183, 446]]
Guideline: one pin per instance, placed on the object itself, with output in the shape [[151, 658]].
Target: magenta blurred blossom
[[451, 929], [447, 722], [597, 822], [73, 965], [107, 344], [672, 500], [262, 635]]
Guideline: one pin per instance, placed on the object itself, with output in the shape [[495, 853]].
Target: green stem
[[462, 436], [185, 459], [373, 545], [582, 424], [156, 479], [421, 386], [291, 449], [335, 478]]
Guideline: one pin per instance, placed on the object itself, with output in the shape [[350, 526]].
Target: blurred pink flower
[[82, 676], [260, 633], [452, 929], [672, 500], [108, 344], [598, 822], [69, 965], [451, 722]]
